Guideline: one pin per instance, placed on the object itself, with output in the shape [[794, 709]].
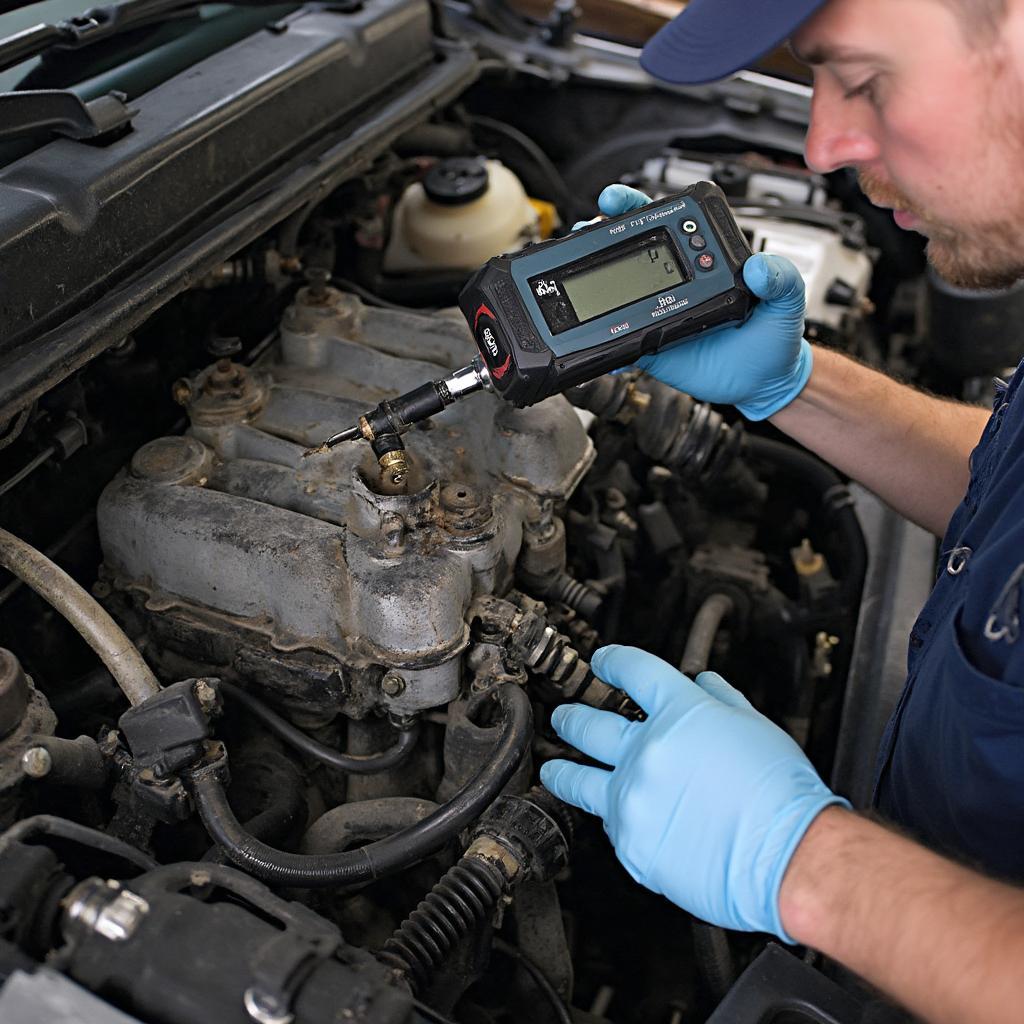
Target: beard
[[985, 255]]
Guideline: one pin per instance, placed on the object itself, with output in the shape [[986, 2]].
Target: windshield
[[17, 21]]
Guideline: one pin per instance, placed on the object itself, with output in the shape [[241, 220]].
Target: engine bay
[[270, 725]]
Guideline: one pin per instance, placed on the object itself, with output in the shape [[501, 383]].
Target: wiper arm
[[61, 112], [94, 25]]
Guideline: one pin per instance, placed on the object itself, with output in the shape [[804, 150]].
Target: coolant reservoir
[[465, 211]]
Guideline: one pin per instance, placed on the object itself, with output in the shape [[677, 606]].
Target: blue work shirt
[[951, 763]]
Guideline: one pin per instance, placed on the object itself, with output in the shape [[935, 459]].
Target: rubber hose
[[702, 633], [575, 594], [280, 783], [356, 764], [464, 898], [710, 943], [84, 613], [62, 828], [836, 504], [571, 203], [363, 821], [540, 979], [714, 957], [386, 856]]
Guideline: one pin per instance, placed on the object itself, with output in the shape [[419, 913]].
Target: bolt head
[[392, 685], [206, 695], [36, 762], [263, 1008]]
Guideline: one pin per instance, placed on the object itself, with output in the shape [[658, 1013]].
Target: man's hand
[[707, 799], [760, 366]]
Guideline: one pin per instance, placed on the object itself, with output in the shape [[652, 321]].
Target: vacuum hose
[[836, 503], [91, 621], [710, 943], [355, 764], [386, 856]]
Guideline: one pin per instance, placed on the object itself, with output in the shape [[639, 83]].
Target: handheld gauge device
[[566, 311], [563, 312]]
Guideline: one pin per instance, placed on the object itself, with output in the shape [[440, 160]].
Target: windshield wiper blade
[[95, 25], [29, 43]]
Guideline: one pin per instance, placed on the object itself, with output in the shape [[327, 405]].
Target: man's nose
[[840, 133]]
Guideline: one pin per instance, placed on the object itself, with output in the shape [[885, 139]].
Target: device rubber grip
[[734, 245]]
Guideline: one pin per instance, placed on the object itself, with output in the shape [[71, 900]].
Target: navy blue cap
[[714, 38]]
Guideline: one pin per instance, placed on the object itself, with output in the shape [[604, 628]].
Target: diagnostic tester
[[565, 311]]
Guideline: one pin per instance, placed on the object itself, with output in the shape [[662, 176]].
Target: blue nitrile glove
[[707, 799], [760, 366]]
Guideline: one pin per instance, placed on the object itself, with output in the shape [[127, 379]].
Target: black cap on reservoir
[[715, 38]]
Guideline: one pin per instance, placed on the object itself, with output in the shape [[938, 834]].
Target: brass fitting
[[394, 465], [806, 560]]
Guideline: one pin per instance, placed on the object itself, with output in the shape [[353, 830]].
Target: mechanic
[[708, 802]]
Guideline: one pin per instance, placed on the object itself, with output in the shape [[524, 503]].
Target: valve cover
[[315, 576]]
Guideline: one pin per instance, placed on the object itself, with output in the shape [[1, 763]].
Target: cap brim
[[711, 39]]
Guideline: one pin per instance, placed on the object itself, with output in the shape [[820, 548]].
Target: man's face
[[933, 126]]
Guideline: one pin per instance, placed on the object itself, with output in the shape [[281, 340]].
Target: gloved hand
[[760, 366], [707, 799]]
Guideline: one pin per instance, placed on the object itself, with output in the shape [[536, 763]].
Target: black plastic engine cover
[[94, 238]]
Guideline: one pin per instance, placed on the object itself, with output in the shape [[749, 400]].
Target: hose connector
[[534, 832], [519, 838]]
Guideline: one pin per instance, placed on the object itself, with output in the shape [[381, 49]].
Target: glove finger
[[616, 199], [776, 280], [663, 365], [651, 682], [578, 785], [584, 223], [712, 683], [599, 734]]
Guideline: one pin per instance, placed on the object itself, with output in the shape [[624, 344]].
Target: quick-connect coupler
[[395, 416]]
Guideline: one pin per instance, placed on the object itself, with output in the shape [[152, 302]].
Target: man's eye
[[866, 88]]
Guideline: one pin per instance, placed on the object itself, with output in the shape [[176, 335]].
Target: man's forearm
[[909, 448], [943, 940]]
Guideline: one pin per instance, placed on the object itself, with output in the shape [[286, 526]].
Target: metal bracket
[[61, 112], [280, 964]]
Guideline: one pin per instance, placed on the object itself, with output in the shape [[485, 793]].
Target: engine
[[337, 586], [270, 724]]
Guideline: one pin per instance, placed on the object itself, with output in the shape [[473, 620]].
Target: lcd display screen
[[626, 278], [601, 283]]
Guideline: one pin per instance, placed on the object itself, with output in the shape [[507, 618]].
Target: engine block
[[315, 577]]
